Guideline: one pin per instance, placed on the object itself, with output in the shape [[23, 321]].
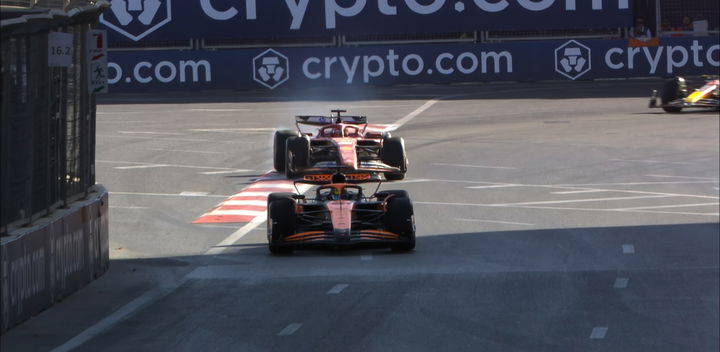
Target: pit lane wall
[[271, 68], [43, 264]]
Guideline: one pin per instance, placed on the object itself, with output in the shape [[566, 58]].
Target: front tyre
[[400, 219], [393, 154], [281, 221], [673, 89]]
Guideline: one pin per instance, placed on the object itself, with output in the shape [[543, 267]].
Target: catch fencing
[[48, 121]]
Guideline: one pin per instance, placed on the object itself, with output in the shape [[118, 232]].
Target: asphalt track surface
[[550, 217]]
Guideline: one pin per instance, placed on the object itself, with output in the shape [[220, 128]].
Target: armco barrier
[[139, 71], [49, 261]]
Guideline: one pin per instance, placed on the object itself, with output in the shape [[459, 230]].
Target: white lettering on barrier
[[332, 8], [26, 278], [224, 15], [426, 9], [491, 7], [537, 5], [297, 11], [675, 56], [411, 65], [69, 256], [385, 8]]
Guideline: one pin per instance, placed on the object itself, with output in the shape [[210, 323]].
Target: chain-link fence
[[47, 128]]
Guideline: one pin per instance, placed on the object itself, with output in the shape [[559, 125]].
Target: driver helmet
[[335, 193]]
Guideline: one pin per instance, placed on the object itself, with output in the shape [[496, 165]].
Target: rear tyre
[[399, 219], [298, 154], [280, 222], [393, 154], [672, 90], [281, 137]]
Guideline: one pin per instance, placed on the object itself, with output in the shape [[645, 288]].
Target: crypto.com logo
[[136, 19], [271, 68], [572, 60]]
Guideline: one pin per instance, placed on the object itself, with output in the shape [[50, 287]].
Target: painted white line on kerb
[[290, 329], [272, 185], [223, 172], [337, 289], [157, 293], [628, 249], [598, 332], [476, 166], [621, 282], [258, 203], [496, 222], [221, 212], [366, 258]]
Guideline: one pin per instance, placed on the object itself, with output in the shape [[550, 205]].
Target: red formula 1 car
[[323, 143], [340, 215], [674, 96]]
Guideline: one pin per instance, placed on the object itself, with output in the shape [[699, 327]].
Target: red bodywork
[[346, 137]]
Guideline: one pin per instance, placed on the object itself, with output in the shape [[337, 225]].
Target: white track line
[[157, 293], [494, 186], [496, 222], [652, 161], [687, 177], [579, 200], [337, 289], [413, 114], [185, 151], [598, 332], [290, 329], [140, 166], [669, 206], [476, 166]]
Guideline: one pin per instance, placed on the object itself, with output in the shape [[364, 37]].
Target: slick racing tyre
[[298, 153], [673, 89], [280, 222], [399, 219], [281, 137], [393, 154]]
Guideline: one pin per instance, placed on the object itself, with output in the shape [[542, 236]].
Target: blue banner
[[162, 20], [137, 71]]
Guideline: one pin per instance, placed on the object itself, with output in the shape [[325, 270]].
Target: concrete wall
[[47, 262]]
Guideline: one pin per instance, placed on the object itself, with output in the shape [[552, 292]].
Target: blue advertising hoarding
[[271, 68], [162, 20]]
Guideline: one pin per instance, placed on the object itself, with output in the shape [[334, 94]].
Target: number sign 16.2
[[60, 49]]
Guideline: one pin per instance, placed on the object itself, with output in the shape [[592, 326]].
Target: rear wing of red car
[[318, 120]]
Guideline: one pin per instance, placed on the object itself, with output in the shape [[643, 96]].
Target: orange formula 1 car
[[324, 143], [339, 215], [675, 97]]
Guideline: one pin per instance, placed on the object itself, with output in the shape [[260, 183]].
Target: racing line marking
[[598, 332], [621, 282], [290, 329], [477, 166], [496, 222], [159, 292], [337, 289], [628, 249]]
